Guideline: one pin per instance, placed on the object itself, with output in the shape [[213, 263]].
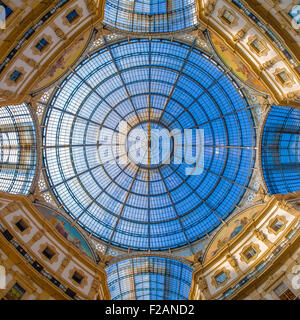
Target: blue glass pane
[[221, 278], [280, 153], [150, 16], [149, 278], [72, 15], [15, 75], [154, 207], [42, 44], [17, 149], [295, 13], [8, 10]]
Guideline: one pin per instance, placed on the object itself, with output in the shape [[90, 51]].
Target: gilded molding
[[10, 208], [253, 245], [210, 7], [240, 35], [221, 17], [52, 248], [263, 43], [92, 6], [292, 96], [60, 33], [262, 237], [16, 258], [288, 83], [272, 221], [218, 272], [64, 264], [35, 50], [6, 94], [16, 219], [11, 83], [79, 11], [35, 238], [286, 206], [233, 263], [82, 274], [202, 283], [270, 63], [32, 63]]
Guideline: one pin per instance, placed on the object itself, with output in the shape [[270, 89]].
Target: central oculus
[[149, 145]]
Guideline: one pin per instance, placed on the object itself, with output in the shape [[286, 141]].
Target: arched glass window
[[150, 16], [280, 150], [17, 149], [149, 278]]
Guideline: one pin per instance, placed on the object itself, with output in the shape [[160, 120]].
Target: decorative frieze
[[262, 237], [210, 7], [270, 63], [232, 261]]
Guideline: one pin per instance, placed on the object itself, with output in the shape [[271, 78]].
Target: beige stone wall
[[269, 63], [274, 258], [39, 235]]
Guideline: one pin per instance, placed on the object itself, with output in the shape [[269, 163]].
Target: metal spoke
[[81, 117], [177, 79], [176, 212], [97, 93], [69, 179], [197, 194], [121, 77], [122, 209], [199, 96], [99, 195]]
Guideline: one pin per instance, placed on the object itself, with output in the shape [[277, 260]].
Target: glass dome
[[280, 150], [18, 150], [150, 16], [149, 278], [148, 84]]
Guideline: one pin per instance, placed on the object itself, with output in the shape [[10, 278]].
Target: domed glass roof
[[18, 150], [148, 84], [150, 16], [149, 278], [280, 150]]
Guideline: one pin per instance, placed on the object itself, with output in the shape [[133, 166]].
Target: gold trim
[[11, 83], [82, 274], [209, 7], [218, 272], [264, 51], [79, 11], [254, 246], [262, 237], [35, 277], [240, 35], [23, 280], [221, 12], [50, 58], [65, 262], [36, 51], [272, 221], [16, 219], [235, 248], [52, 248], [36, 237], [270, 63], [286, 84], [270, 83], [32, 63], [234, 264]]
